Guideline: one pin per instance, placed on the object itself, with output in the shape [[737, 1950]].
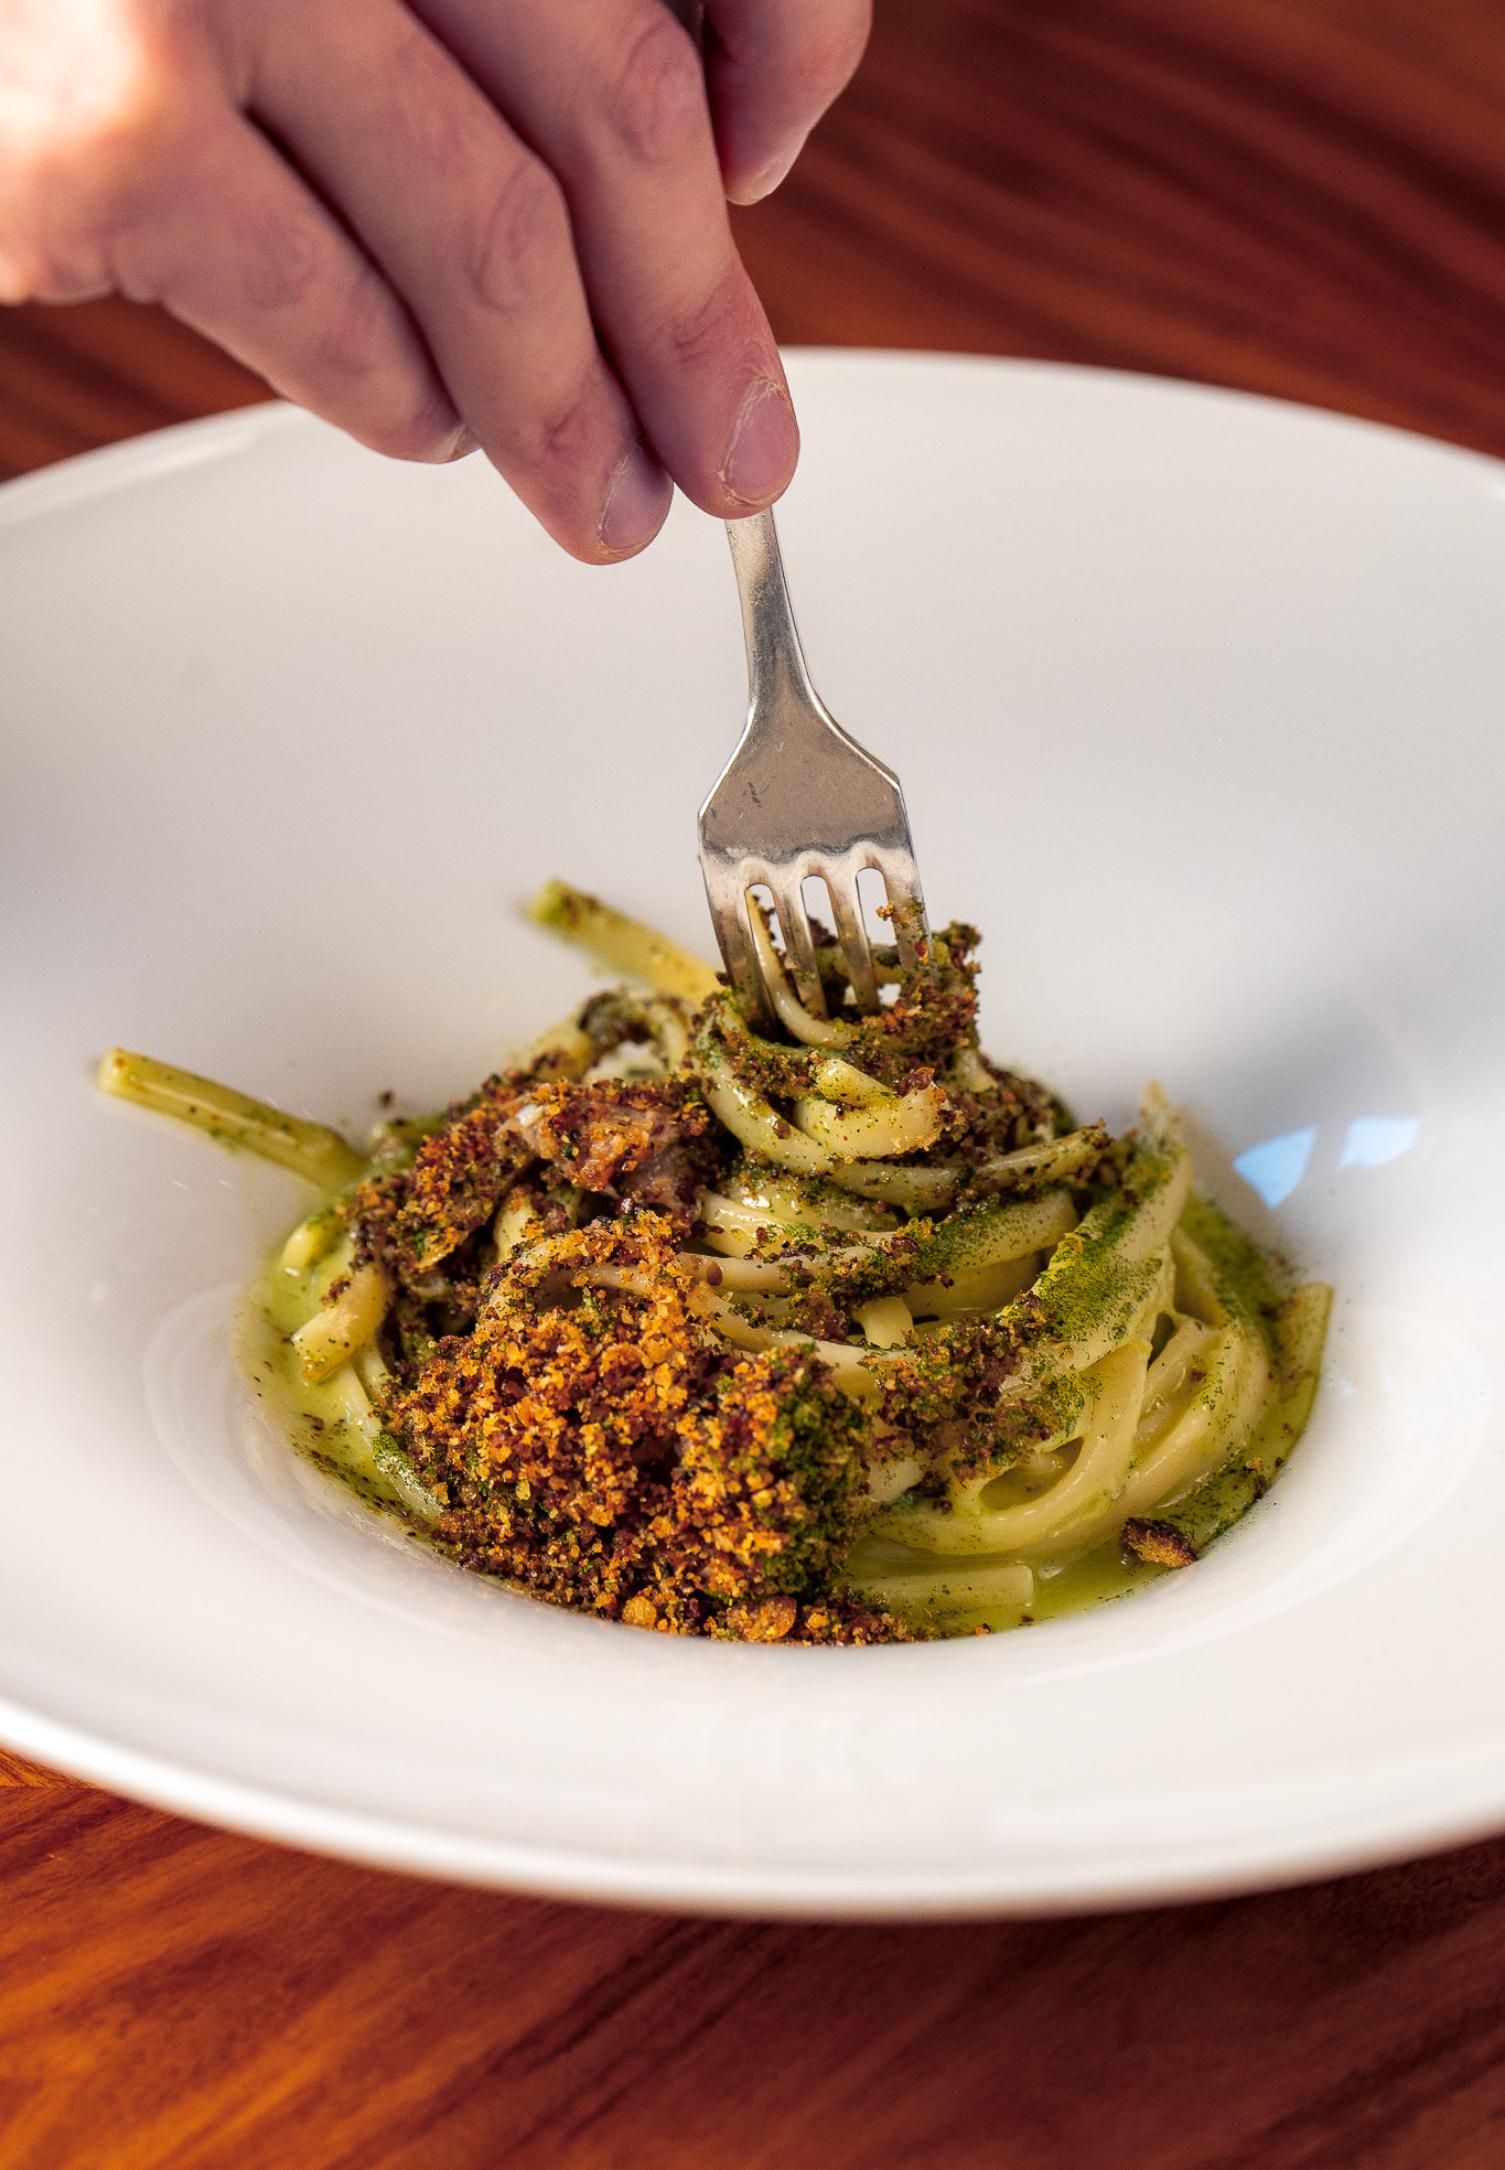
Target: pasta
[[835, 1331]]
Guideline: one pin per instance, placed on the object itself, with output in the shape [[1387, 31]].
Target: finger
[[474, 232], [774, 67], [613, 98], [240, 250]]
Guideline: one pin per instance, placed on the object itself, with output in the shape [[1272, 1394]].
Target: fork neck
[[775, 659]]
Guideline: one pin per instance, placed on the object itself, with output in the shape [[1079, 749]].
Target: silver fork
[[799, 797]]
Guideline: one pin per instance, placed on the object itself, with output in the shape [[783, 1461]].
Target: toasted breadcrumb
[[1160, 1544], [606, 1450]]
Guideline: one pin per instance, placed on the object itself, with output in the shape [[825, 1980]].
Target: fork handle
[[775, 659]]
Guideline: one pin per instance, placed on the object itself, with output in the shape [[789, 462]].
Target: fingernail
[[636, 500], [765, 445], [777, 170], [453, 447]]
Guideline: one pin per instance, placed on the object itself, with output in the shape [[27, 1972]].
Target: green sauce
[[1099, 1576], [316, 1419]]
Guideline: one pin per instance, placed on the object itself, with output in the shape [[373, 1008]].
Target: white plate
[[1198, 703]]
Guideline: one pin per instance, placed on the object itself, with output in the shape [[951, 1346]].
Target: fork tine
[[730, 905], [747, 978], [851, 939], [799, 946], [907, 906]]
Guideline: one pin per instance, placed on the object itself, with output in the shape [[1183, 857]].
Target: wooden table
[[1302, 196]]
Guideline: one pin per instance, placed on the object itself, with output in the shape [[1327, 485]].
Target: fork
[[799, 797]]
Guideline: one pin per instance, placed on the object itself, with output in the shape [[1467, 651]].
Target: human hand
[[441, 223]]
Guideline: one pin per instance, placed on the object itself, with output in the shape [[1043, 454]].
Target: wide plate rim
[[1324, 1845]]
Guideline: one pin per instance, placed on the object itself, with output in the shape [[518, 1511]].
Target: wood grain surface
[[1305, 197]]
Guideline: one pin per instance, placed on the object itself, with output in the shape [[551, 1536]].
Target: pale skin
[[442, 225]]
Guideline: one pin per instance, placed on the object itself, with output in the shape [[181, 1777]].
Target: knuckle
[[656, 101], [281, 261], [358, 352], [355, 341], [562, 439], [405, 413], [416, 90], [520, 247], [711, 329], [559, 452]]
